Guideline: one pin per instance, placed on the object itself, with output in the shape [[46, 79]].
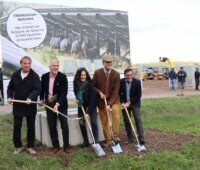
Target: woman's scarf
[[80, 92]]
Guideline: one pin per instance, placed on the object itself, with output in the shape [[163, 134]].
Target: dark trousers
[[52, 122], [30, 131], [196, 84], [82, 123], [138, 123]]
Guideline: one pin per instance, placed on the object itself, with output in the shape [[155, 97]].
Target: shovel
[[115, 146], [139, 147], [48, 107], [97, 148]]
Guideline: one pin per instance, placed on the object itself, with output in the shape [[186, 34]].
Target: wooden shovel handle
[[88, 123], [129, 118]]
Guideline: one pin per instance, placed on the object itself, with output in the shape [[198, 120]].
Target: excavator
[[168, 61], [170, 65]]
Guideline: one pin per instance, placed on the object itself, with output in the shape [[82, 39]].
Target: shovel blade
[[98, 149], [140, 148], [117, 148]]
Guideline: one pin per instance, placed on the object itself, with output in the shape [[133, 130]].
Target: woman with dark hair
[[86, 97]]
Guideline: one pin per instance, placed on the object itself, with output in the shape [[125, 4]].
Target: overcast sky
[[167, 28]]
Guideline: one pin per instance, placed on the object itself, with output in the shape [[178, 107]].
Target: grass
[[179, 115]]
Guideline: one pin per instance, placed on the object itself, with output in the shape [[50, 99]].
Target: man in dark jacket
[[181, 81], [24, 85], [130, 93], [196, 76], [54, 86], [172, 79]]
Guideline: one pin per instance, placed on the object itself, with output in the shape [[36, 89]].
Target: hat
[[108, 58]]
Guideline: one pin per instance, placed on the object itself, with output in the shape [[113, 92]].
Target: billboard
[[77, 37], [82, 35]]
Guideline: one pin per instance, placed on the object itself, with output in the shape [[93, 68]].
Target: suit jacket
[[60, 89], [99, 79], [20, 89], [135, 92]]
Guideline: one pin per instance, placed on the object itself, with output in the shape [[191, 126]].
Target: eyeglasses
[[108, 62], [128, 75]]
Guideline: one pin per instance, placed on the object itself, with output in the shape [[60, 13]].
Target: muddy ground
[[156, 141]]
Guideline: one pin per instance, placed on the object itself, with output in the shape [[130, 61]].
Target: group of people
[[104, 91], [181, 76]]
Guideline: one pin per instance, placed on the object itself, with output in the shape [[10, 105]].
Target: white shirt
[[24, 75]]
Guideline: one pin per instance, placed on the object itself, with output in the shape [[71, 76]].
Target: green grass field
[[179, 115]]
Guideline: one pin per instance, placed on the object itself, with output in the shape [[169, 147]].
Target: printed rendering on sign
[[78, 37]]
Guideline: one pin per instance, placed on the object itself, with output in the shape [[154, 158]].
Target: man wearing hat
[[107, 82]]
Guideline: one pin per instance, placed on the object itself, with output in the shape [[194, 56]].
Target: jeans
[[172, 84]]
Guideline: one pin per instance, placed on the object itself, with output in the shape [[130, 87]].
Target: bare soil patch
[[160, 89], [156, 141]]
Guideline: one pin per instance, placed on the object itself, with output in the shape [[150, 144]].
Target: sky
[[167, 28]]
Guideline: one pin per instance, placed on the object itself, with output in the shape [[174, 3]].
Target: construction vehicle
[[149, 73], [154, 73], [170, 65], [165, 71]]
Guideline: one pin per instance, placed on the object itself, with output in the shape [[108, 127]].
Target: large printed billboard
[[78, 37]]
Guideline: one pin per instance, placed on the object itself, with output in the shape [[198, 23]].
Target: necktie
[[107, 85], [107, 74]]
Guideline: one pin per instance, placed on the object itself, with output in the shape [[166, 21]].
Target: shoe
[[84, 145], [17, 150], [117, 140], [55, 150], [67, 149], [129, 141], [31, 151]]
